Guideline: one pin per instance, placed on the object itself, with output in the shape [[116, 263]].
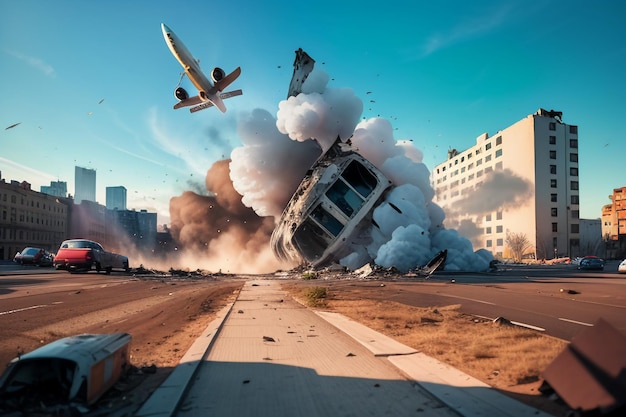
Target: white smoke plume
[[276, 154]]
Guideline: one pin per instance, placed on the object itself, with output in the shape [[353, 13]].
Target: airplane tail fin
[[209, 104], [226, 81]]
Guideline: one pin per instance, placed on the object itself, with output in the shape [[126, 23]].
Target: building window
[[555, 227], [573, 157], [499, 242], [552, 154], [573, 185], [487, 158], [488, 146], [488, 218], [575, 228], [573, 143], [553, 198], [488, 243], [552, 169], [553, 183], [552, 126], [573, 172], [499, 215], [479, 162], [498, 153], [499, 165], [554, 212], [575, 214], [573, 129], [498, 229], [499, 140], [488, 230], [574, 199], [552, 139]]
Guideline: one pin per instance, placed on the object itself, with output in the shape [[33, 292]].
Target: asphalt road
[[559, 300]]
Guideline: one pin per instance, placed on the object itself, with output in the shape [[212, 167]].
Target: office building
[[522, 181], [614, 224], [116, 198], [56, 188], [84, 184]]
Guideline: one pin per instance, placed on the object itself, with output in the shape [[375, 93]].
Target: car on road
[[34, 256], [622, 267], [83, 255], [591, 263]]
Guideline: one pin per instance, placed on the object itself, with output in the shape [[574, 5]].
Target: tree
[[518, 243]]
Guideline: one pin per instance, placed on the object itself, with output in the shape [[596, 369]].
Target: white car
[[622, 267]]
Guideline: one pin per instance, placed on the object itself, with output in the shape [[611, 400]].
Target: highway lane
[[559, 301]]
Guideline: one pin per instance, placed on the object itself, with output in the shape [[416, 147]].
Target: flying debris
[[100, 102], [209, 94], [13, 125]]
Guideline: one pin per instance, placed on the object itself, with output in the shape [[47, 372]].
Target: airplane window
[[311, 240], [327, 220], [360, 178], [344, 198]]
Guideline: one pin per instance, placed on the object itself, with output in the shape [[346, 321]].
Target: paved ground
[[274, 357]]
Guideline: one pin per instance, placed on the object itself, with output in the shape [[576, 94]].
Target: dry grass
[[501, 356]]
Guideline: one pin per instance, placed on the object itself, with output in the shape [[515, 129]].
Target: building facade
[[521, 181], [116, 198], [614, 224], [56, 188], [29, 218], [84, 184]]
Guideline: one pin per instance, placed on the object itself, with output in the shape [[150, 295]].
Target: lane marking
[[528, 326], [576, 322], [469, 299], [2, 313]]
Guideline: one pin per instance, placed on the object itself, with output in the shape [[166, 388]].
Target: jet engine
[[217, 74], [181, 94]]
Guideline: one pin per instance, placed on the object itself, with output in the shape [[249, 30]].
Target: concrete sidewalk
[[274, 357]]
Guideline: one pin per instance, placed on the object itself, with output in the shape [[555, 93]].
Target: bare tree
[[518, 243]]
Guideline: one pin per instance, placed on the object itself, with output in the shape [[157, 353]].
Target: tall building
[[116, 198], [56, 188], [85, 184], [522, 181]]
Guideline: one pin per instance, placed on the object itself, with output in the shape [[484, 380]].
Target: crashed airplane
[[332, 208], [333, 203]]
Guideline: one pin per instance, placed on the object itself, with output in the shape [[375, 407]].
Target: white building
[[522, 180]]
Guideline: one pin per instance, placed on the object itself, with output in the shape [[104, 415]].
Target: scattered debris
[[70, 372], [501, 321], [268, 339], [569, 291], [350, 354]]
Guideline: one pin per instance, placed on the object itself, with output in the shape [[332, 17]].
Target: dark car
[[34, 256], [591, 262]]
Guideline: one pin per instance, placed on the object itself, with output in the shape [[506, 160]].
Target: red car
[[82, 255]]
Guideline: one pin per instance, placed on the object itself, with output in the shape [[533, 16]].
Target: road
[[558, 300]]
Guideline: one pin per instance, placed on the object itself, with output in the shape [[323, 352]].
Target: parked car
[[82, 255], [34, 256], [591, 262], [622, 267]]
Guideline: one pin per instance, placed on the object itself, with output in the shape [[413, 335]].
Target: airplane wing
[[202, 106], [191, 101], [226, 81], [230, 94]]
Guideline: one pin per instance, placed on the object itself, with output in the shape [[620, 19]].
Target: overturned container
[[77, 369]]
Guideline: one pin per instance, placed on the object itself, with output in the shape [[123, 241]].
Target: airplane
[[209, 94]]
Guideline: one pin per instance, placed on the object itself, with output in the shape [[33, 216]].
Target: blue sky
[[442, 73]]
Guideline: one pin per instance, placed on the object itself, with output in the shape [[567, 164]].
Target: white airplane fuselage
[[207, 90]]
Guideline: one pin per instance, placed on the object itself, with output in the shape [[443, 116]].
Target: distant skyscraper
[[85, 184], [56, 188], [116, 198]]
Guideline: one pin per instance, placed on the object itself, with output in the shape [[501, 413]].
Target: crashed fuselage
[[331, 209]]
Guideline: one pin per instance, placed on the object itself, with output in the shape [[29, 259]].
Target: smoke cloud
[[248, 193]]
